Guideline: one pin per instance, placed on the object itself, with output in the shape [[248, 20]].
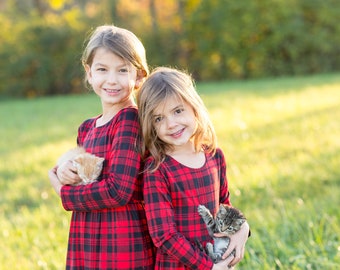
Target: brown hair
[[163, 83]]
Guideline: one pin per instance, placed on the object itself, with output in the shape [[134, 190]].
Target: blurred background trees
[[42, 41]]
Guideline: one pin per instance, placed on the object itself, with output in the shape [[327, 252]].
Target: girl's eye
[[101, 69], [178, 111], [123, 70], [158, 119]]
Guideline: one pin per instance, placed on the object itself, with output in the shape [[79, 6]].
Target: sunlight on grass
[[34, 225], [281, 139]]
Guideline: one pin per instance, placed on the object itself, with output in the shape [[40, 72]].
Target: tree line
[[41, 41]]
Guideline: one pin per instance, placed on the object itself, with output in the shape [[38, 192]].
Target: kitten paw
[[202, 210]]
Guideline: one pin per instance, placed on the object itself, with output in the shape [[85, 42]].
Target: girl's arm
[[239, 239], [52, 174], [224, 186], [120, 182], [162, 226], [224, 264], [237, 243]]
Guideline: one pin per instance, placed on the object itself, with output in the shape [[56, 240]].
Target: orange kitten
[[88, 165]]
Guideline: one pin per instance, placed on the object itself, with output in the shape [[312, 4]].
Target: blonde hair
[[158, 87], [119, 41]]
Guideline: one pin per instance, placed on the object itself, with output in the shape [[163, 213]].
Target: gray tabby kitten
[[228, 221]]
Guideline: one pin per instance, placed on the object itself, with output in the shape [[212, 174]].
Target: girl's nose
[[170, 122], [111, 78]]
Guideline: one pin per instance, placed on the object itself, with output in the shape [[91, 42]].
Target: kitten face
[[229, 220], [88, 167]]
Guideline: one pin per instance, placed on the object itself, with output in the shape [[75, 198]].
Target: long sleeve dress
[[172, 194], [108, 227]]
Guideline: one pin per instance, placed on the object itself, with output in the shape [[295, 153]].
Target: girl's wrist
[[246, 225]]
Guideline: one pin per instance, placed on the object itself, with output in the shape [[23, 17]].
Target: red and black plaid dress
[[108, 226], [172, 194]]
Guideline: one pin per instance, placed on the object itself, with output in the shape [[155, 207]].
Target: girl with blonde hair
[[184, 169]]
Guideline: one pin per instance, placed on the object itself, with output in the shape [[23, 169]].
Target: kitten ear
[[100, 159], [222, 209], [78, 159], [240, 221]]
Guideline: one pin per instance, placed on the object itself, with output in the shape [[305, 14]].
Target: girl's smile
[[177, 134], [111, 91]]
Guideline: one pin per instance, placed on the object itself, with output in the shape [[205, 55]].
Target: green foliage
[[214, 39], [40, 58], [281, 141], [242, 39], [46, 62]]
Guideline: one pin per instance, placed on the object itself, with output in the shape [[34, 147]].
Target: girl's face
[[112, 78], [175, 122]]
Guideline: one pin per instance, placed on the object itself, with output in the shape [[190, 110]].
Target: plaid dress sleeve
[[224, 190], [172, 194], [116, 142]]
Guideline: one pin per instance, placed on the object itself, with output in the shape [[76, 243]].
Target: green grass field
[[281, 138]]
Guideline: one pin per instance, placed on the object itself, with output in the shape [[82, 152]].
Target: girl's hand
[[223, 265], [237, 243], [67, 174], [52, 174]]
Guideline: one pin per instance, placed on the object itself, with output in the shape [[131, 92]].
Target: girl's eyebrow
[[99, 64], [118, 66], [123, 65], [178, 107]]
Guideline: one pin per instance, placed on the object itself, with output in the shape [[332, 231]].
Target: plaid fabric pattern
[[172, 194], [108, 226]]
